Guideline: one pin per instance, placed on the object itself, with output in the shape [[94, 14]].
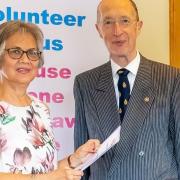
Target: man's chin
[[120, 55]]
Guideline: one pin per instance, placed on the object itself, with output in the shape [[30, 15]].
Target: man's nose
[[117, 29]]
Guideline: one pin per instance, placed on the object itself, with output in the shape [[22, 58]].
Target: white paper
[[104, 147]]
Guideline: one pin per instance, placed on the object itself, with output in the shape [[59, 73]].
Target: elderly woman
[[27, 147]]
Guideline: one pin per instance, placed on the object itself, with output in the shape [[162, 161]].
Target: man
[[149, 148]]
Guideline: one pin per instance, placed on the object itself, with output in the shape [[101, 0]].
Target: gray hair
[[9, 28]]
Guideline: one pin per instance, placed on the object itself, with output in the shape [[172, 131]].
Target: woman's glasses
[[17, 53]]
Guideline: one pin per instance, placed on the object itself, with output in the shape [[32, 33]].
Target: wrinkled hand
[[63, 172], [81, 153], [72, 174]]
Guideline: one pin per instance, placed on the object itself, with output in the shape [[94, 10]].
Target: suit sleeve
[[175, 120], [80, 128]]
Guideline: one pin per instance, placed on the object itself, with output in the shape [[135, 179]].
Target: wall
[[153, 41]]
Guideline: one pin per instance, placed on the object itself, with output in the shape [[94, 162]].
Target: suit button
[[141, 153]]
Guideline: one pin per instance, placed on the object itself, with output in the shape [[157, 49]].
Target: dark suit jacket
[[149, 148]]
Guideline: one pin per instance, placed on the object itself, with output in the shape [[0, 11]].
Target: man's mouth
[[119, 42]]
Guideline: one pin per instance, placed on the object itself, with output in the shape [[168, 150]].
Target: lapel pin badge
[[146, 99]]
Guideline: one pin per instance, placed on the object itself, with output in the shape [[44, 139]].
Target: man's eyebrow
[[125, 17], [107, 17]]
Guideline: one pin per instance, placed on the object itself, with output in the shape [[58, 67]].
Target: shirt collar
[[132, 66]]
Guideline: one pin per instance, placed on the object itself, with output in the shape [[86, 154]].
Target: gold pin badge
[[146, 99]]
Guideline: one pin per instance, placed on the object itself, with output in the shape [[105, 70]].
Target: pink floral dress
[[26, 140]]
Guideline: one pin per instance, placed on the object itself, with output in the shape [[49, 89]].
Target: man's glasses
[[17, 53], [124, 22]]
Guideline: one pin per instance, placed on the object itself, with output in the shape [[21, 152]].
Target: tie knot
[[123, 72]]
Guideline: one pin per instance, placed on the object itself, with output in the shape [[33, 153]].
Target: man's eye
[[125, 21], [108, 22]]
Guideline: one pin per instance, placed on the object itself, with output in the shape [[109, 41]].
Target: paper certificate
[[104, 147]]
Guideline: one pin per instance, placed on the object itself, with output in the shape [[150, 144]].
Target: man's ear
[[99, 30], [139, 27]]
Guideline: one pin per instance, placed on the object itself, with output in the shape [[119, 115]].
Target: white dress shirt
[[132, 67]]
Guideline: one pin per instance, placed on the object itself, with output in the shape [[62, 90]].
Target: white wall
[[153, 41]]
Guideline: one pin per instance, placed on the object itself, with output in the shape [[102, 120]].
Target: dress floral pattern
[[27, 143]]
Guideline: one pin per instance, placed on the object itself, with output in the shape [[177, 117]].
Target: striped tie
[[124, 91]]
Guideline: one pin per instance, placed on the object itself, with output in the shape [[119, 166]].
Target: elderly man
[[129, 90]]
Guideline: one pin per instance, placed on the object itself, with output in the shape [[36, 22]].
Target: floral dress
[[26, 140]]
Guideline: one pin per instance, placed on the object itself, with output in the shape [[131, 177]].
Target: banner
[[71, 45]]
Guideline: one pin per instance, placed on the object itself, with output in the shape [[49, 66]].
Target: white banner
[[71, 46]]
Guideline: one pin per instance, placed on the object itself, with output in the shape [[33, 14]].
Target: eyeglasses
[[124, 22], [17, 53]]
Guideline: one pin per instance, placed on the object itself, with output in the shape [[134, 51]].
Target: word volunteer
[[42, 18]]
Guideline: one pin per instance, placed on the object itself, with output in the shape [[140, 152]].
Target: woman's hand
[[63, 172], [81, 153], [72, 174]]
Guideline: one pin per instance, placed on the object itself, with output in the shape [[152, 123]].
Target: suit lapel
[[105, 102], [139, 104]]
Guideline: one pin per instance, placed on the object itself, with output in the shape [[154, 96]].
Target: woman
[[27, 147]]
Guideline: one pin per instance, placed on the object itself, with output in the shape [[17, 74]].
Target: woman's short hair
[[7, 29]]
